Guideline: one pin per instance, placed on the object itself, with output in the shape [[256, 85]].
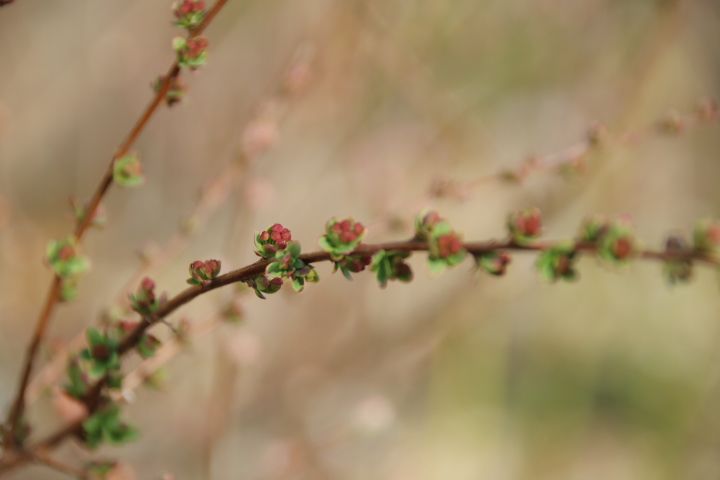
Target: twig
[[209, 200], [574, 157], [14, 459], [47, 460], [16, 412]]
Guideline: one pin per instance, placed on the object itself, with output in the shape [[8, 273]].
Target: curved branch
[[15, 459]]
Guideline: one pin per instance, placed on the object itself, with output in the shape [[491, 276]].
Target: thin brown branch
[[15, 459], [210, 199], [574, 158], [16, 412], [47, 460]]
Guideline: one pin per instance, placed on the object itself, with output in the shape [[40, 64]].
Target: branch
[[210, 198], [575, 158], [250, 272], [16, 412], [48, 461]]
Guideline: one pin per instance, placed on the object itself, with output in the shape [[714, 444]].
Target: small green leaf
[[179, 43], [127, 171], [437, 265], [298, 284], [94, 336]]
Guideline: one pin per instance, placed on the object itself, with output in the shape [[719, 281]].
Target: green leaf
[[94, 336], [298, 284], [97, 370], [76, 386], [106, 426], [440, 229], [179, 43], [294, 249], [68, 290], [346, 273], [325, 244], [127, 171], [437, 265]]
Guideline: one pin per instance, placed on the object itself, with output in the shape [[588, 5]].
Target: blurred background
[[377, 109]]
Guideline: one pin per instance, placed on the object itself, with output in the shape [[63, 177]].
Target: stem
[[10, 461], [16, 412], [48, 461]]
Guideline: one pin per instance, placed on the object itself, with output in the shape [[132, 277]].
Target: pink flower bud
[[526, 224], [449, 245], [147, 284], [622, 248]]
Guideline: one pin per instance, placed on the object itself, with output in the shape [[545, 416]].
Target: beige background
[[457, 377]]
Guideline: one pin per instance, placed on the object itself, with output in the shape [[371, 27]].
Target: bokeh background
[[377, 109]]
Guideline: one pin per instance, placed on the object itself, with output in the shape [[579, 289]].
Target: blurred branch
[[58, 466], [574, 158], [84, 222]]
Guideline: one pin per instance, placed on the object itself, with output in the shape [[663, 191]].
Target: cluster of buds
[[101, 354], [275, 244], [262, 285], [272, 240], [444, 244], [353, 263], [288, 265], [425, 223], [391, 266], [68, 264], [613, 239], [189, 14], [448, 245], [706, 236], [525, 225], [202, 273], [128, 171], [145, 301], [64, 259], [558, 263], [342, 237], [494, 263], [191, 52], [106, 426]]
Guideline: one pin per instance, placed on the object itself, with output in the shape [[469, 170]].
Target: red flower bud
[[147, 284], [196, 46], [449, 245], [201, 273], [622, 248], [101, 352], [66, 253], [347, 230], [525, 225]]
